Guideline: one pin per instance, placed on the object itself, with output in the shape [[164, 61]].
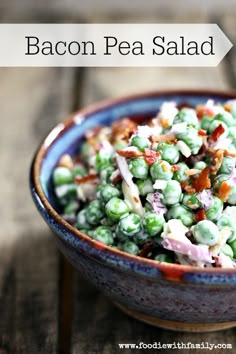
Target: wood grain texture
[[32, 101]]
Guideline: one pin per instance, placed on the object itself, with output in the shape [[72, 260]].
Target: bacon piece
[[192, 172], [129, 153], [217, 133], [202, 181], [202, 132], [86, 179], [123, 128], [224, 191], [168, 138], [216, 161], [187, 187], [164, 123], [146, 249], [151, 156], [229, 153], [227, 108], [175, 168], [200, 215], [204, 111]]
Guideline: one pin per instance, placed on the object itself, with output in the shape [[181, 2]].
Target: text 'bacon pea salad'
[[165, 190]]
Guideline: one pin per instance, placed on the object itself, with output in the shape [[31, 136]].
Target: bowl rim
[[170, 271]]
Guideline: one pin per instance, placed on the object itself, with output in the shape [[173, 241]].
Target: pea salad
[[164, 190]]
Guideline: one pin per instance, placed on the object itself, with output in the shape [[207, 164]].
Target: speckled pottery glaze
[[171, 296]]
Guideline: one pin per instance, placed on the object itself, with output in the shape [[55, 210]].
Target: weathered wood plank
[[32, 101], [228, 24], [95, 317]]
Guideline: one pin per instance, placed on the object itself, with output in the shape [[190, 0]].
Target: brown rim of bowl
[[94, 108]]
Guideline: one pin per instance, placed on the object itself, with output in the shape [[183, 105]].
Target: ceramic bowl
[[166, 295]]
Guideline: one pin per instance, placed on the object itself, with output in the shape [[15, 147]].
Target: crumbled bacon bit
[[192, 172], [229, 153], [217, 133], [146, 249], [216, 161], [202, 181], [136, 200], [200, 215], [66, 161], [187, 187], [175, 168], [151, 156], [129, 153], [202, 132], [168, 138], [227, 108], [116, 179], [85, 179], [204, 111], [123, 128], [224, 191], [165, 123]]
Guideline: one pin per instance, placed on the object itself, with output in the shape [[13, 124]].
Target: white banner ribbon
[[140, 45]]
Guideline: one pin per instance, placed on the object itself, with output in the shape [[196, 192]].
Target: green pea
[[141, 237], [169, 152], [161, 170], [215, 125], [232, 196], [200, 165], [107, 191], [104, 235], [139, 167], [192, 139], [233, 246], [191, 201], [65, 193], [105, 174], [145, 186], [62, 175], [214, 212], [172, 193], [71, 208], [180, 175], [232, 133], [153, 223], [86, 151], [79, 171], [130, 225], [163, 257], [206, 122], [94, 212], [141, 143], [116, 208], [103, 160], [226, 221], [225, 117], [130, 247], [227, 250], [219, 180], [82, 222], [206, 232], [188, 116], [178, 211]]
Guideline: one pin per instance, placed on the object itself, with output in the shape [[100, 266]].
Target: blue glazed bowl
[[166, 295]]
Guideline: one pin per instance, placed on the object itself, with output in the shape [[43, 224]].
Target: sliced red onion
[[205, 198], [155, 200], [221, 143], [124, 170], [232, 177], [196, 252], [106, 146]]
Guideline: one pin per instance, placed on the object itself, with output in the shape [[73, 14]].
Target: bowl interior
[[67, 137]]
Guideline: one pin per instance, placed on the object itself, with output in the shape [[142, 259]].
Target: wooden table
[[46, 307]]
